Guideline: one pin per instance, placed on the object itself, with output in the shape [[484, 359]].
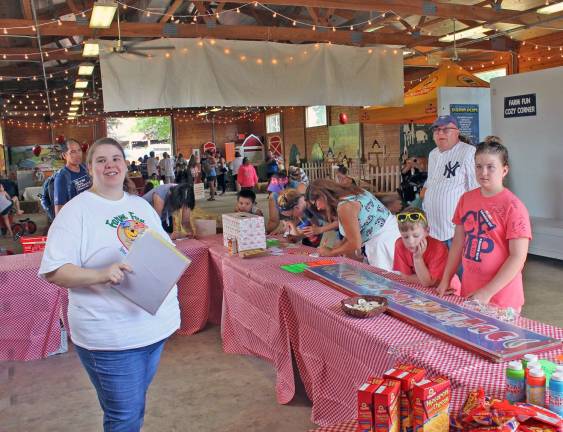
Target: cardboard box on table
[[407, 375], [246, 228]]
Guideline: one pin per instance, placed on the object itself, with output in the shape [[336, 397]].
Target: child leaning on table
[[418, 257], [492, 234], [246, 203]]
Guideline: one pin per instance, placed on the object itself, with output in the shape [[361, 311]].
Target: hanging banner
[[216, 72], [467, 116]]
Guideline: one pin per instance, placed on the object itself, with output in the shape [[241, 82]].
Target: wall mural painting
[[416, 140], [23, 157], [344, 142], [294, 156], [317, 154]]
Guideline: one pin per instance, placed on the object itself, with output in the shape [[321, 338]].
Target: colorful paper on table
[[157, 265], [485, 335], [272, 243], [324, 262], [295, 268]]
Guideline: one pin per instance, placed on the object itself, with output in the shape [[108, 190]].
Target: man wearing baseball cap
[[451, 173]]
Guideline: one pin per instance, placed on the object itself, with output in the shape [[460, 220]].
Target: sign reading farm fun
[[492, 338], [520, 106]]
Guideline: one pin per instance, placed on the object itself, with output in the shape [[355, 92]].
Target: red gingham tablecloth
[[216, 254], [336, 353], [347, 426], [268, 312], [253, 322], [29, 310], [30, 307], [193, 287]]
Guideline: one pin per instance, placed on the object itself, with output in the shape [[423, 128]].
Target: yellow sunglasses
[[411, 217]]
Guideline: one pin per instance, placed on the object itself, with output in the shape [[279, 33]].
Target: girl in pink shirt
[[247, 177], [492, 235]]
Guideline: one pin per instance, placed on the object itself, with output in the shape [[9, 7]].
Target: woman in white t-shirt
[[118, 343]]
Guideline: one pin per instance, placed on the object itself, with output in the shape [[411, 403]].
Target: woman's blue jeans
[[121, 379]]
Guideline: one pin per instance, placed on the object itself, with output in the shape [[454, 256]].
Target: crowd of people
[[470, 226]]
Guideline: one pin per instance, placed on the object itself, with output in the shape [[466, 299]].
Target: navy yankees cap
[[445, 120]]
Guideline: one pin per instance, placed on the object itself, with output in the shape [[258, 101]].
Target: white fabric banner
[[206, 72]]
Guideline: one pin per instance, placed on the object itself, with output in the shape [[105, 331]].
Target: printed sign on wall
[[520, 106], [467, 116]]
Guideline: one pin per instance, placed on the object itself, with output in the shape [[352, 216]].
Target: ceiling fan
[[467, 56], [121, 48]]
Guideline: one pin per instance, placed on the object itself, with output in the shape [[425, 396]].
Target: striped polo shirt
[[451, 173]]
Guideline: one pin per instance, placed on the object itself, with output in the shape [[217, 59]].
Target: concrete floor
[[198, 387]]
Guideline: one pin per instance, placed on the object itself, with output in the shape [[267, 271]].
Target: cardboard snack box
[[407, 375], [386, 406], [365, 405], [431, 405]]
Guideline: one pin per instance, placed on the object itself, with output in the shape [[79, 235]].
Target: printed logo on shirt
[[477, 225], [129, 227], [81, 184], [450, 170]]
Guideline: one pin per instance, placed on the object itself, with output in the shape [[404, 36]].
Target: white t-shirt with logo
[[451, 173], [93, 232]]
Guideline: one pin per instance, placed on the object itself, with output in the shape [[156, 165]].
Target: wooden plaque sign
[[494, 339]]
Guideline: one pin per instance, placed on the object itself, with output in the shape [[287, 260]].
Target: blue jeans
[[121, 379]]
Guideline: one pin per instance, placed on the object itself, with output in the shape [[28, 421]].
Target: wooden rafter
[[155, 30], [410, 7], [314, 14], [170, 11], [72, 5], [292, 34], [202, 8], [28, 14]]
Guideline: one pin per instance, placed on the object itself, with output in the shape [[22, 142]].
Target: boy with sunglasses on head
[[419, 258]]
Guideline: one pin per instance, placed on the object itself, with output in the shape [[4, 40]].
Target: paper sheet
[[157, 265]]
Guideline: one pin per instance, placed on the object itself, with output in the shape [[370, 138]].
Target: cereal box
[[407, 375], [365, 405], [431, 398], [33, 244], [386, 406], [246, 228]]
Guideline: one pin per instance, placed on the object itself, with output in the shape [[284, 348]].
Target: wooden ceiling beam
[[292, 34], [155, 30], [314, 14], [28, 14], [201, 8], [170, 11], [410, 7], [72, 5]]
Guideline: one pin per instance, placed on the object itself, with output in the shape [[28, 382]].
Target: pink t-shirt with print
[[489, 223]]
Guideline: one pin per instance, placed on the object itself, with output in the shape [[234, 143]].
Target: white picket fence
[[374, 178], [318, 170]]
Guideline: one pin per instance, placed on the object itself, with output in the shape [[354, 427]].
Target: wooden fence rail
[[373, 178]]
